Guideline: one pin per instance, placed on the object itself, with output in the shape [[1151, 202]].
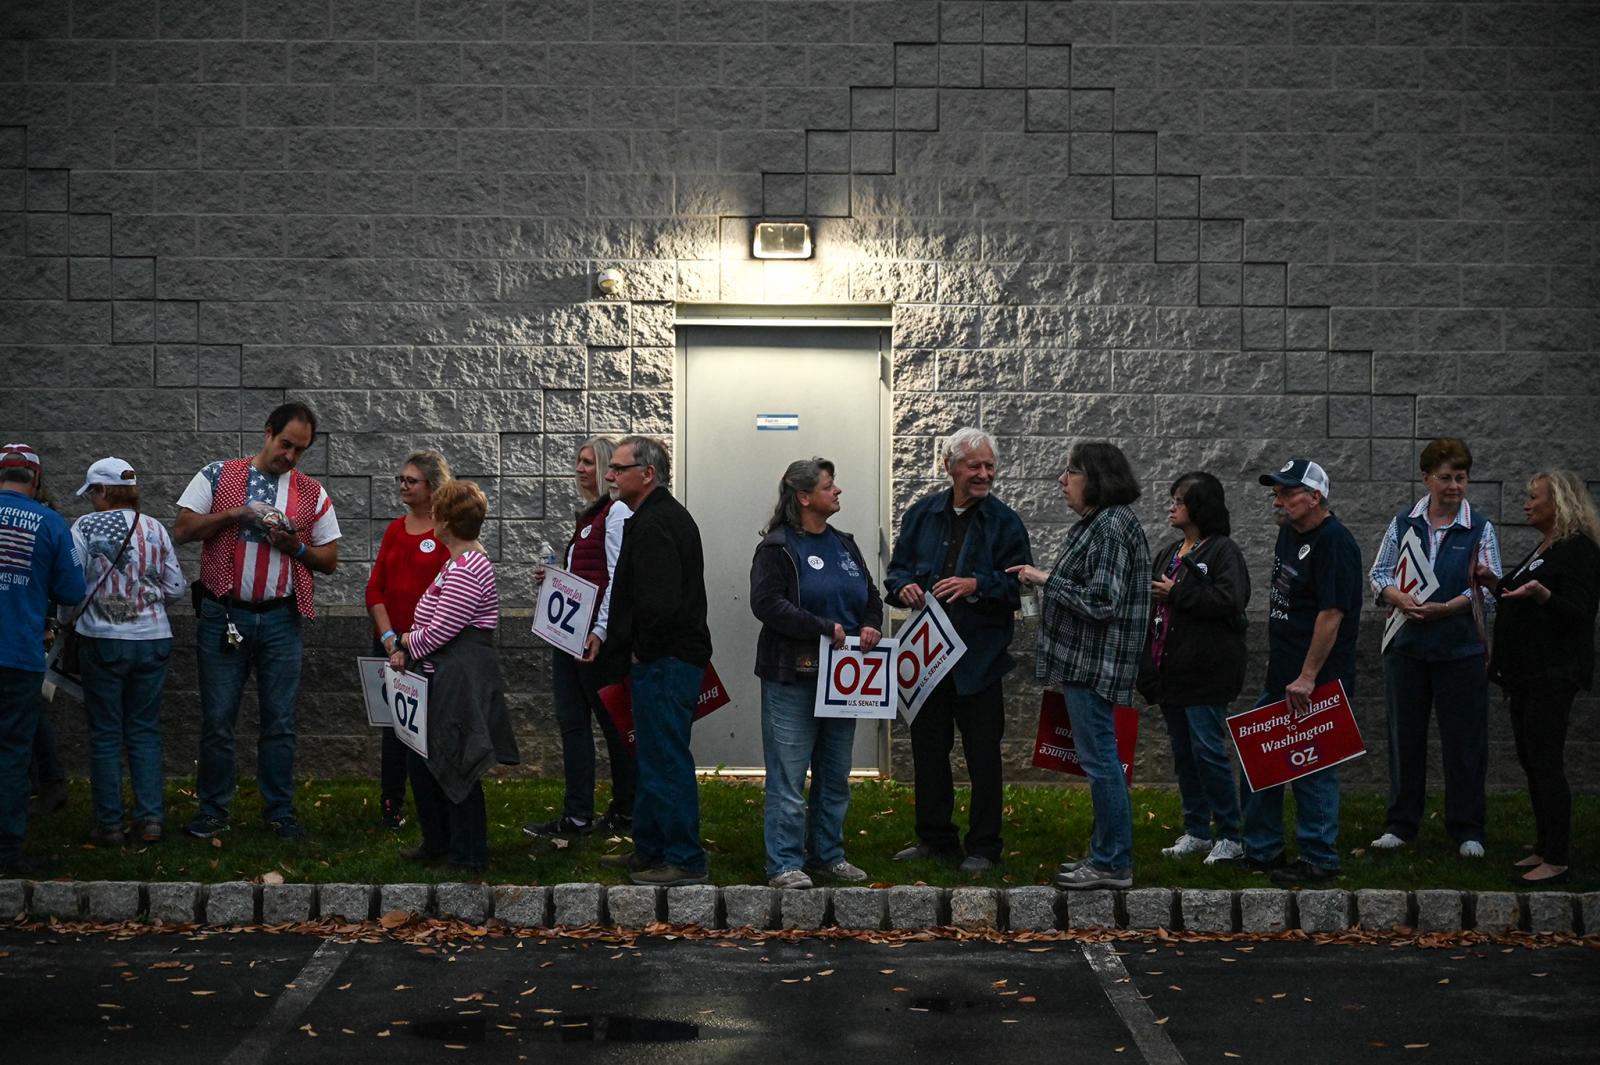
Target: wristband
[[300, 551], [385, 637]]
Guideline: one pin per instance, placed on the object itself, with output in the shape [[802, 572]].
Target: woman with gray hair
[[807, 581], [408, 559], [574, 683]]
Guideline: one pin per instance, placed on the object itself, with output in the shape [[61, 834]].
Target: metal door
[[752, 400]]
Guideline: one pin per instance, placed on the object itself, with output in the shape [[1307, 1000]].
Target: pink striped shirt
[[462, 595]]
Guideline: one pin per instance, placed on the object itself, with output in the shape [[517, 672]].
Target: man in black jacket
[[659, 638]]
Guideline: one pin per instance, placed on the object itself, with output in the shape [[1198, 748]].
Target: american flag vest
[[218, 565]]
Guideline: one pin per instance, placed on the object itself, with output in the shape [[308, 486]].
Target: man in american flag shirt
[[266, 529]]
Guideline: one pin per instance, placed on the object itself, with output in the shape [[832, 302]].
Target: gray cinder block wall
[[1219, 233]]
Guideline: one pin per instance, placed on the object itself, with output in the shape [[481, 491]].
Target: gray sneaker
[[976, 863], [1088, 875], [839, 870], [1070, 864], [668, 876], [791, 878]]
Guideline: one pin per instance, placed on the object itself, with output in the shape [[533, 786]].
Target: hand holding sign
[[408, 694], [564, 611], [856, 683], [1414, 577], [929, 649]]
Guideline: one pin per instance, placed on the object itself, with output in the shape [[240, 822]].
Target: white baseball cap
[[1299, 472], [109, 471]]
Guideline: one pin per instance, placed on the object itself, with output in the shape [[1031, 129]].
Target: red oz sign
[[618, 701], [1053, 747], [1276, 747]]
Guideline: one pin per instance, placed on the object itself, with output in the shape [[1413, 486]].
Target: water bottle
[[547, 554]]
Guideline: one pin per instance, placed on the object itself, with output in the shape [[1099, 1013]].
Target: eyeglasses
[[615, 467], [402, 479], [1288, 492]]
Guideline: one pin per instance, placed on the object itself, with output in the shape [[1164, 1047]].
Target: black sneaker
[[615, 822], [288, 827], [204, 826], [394, 813], [561, 826], [1301, 871], [628, 861], [1266, 865]]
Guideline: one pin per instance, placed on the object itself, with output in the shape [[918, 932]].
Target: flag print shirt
[[130, 597]]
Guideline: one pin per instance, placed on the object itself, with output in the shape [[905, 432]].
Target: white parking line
[[1151, 1038], [303, 991]]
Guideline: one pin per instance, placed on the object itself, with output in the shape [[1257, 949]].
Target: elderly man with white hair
[[955, 545]]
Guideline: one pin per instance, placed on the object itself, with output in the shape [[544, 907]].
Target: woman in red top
[[408, 559]]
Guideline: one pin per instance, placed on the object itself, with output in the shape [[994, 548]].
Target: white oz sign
[[408, 697], [929, 650], [1412, 575], [373, 691], [855, 683], [564, 611]]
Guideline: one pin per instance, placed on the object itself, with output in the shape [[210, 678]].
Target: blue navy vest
[[1453, 637]]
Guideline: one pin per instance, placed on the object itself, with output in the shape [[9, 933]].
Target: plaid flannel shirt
[[1096, 606]]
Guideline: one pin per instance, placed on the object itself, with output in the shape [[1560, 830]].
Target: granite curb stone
[[749, 906], [1150, 907], [633, 905], [1207, 909], [62, 899], [1092, 909], [975, 908], [1496, 911], [232, 902], [1032, 909], [13, 898], [858, 908], [693, 904], [115, 900], [804, 908], [911, 906], [174, 903], [406, 898], [288, 902], [1550, 911], [1324, 910], [577, 904], [1589, 910], [1380, 909], [522, 907], [348, 902], [464, 902], [1438, 910], [1266, 910]]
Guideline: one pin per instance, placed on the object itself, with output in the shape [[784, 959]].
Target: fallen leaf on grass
[[1416, 1046], [1446, 980], [108, 1006], [272, 876], [886, 972], [202, 993], [216, 841]]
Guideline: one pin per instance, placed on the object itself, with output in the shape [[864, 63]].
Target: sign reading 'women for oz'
[[856, 683], [565, 608], [408, 693], [1277, 746]]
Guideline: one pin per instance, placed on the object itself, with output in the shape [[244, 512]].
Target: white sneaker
[[793, 878], [1388, 842], [1185, 846], [1226, 850], [1470, 849], [839, 870]]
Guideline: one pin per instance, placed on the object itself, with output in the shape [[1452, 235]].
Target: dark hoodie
[[787, 646]]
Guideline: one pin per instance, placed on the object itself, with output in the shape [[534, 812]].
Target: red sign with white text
[[618, 701], [1276, 746], [1053, 747]]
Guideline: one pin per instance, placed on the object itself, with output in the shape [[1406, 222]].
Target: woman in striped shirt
[[451, 641]]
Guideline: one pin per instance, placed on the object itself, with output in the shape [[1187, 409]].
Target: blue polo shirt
[[38, 566]]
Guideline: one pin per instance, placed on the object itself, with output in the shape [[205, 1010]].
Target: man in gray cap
[[1314, 612]]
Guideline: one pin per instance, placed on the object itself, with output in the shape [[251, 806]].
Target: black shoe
[[204, 826], [615, 823], [394, 813], [628, 861], [421, 855], [1266, 865], [561, 826], [287, 827], [1301, 871], [923, 852]]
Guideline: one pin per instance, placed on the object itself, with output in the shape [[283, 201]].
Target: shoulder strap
[[116, 560]]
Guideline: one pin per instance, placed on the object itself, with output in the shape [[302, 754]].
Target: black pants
[[1539, 723], [577, 700], [1459, 692], [981, 717], [455, 831], [392, 765]]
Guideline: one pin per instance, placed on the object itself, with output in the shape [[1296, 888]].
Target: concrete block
[[802, 907], [1092, 909], [913, 907], [464, 902], [1496, 911], [1264, 909], [858, 907], [174, 903], [346, 902], [1588, 908], [233, 902], [1149, 908], [61, 899], [288, 902], [522, 906], [1380, 909], [578, 904], [1548, 911], [1326, 910], [1206, 909], [409, 898], [749, 906], [13, 898], [975, 907], [1439, 910], [633, 905], [113, 900], [1031, 909], [693, 904]]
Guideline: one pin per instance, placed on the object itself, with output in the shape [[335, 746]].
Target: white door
[[754, 399]]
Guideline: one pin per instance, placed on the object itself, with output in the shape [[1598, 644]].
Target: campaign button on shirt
[[427, 546]]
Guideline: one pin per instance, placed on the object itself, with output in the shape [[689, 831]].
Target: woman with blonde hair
[[1544, 651], [591, 553]]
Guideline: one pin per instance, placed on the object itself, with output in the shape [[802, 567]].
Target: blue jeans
[[1202, 755], [272, 647], [666, 811], [122, 682], [19, 718], [577, 700], [1095, 737], [801, 833], [1316, 821]]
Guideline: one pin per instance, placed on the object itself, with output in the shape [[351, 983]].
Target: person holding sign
[[1314, 612], [469, 727], [591, 554], [807, 580], [956, 545], [1544, 651], [1194, 660], [1095, 607], [1435, 659], [409, 558]]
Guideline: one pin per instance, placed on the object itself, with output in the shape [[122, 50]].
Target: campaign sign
[[1412, 575], [1053, 747], [564, 610], [618, 701], [376, 696], [1277, 746], [929, 650], [856, 683], [408, 696]]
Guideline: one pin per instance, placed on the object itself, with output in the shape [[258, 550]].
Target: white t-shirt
[[261, 571]]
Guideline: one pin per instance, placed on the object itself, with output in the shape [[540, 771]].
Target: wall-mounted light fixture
[[782, 240], [609, 281]]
